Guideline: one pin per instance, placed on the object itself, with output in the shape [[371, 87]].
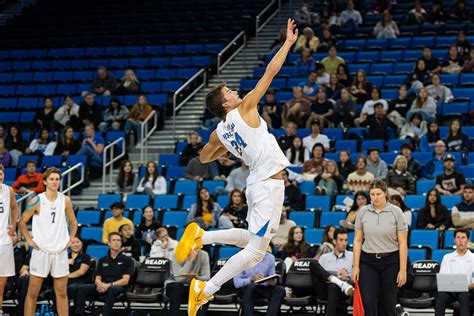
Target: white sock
[[336, 281], [234, 236]]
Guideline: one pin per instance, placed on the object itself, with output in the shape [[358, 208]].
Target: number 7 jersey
[[255, 146]]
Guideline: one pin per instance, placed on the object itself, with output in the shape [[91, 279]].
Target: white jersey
[[5, 215], [50, 231], [255, 146]]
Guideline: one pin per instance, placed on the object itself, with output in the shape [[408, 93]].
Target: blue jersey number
[[238, 143]]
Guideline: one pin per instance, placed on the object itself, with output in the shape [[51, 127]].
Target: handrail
[[145, 133], [77, 183], [113, 159], [231, 44], [176, 106], [258, 26], [21, 199]]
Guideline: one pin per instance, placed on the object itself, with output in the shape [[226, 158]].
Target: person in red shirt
[[30, 181]]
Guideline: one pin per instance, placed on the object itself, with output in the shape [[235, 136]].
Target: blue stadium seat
[[423, 186], [227, 252], [455, 108], [45, 89], [139, 62], [395, 144], [391, 55], [331, 218], [66, 89], [422, 157], [350, 145], [438, 254], [175, 172], [223, 200], [26, 90], [26, 117], [189, 200], [416, 254], [186, 73], [63, 76], [465, 93], [97, 251], [429, 238], [88, 217], [333, 133], [180, 61], [468, 171], [145, 74], [9, 117], [51, 161], [448, 239], [353, 68], [422, 41], [24, 158], [303, 132], [380, 44], [160, 62], [314, 236], [82, 76], [10, 174], [186, 187], [307, 187], [23, 77], [415, 201], [340, 198], [175, 218], [158, 99], [319, 202], [388, 157], [358, 44], [204, 134], [394, 80], [212, 185], [377, 81], [79, 64], [137, 201], [303, 218], [450, 200], [105, 200], [367, 144], [193, 48], [169, 160], [153, 50], [168, 201], [171, 86], [213, 48], [368, 56], [6, 77], [283, 96], [94, 233], [74, 160], [201, 61], [173, 49], [466, 79]]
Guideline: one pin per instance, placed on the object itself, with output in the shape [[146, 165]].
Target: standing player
[[8, 218], [50, 240], [245, 134]]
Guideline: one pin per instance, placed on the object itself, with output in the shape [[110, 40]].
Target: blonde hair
[[400, 157], [132, 75], [336, 169], [160, 231]]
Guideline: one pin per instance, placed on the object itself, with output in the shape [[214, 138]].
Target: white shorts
[[7, 261], [265, 202], [43, 264]]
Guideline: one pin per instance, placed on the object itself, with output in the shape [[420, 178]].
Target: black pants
[[379, 276], [251, 292], [327, 291], [178, 293], [444, 298], [89, 291]]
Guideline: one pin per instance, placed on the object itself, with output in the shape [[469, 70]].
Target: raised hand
[[291, 31]]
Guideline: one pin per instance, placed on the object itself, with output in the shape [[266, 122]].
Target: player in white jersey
[[8, 218], [244, 133], [50, 239]]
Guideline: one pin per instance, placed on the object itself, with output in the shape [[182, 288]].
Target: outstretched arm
[[213, 150], [253, 97]]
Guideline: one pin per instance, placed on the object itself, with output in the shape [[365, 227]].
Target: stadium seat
[[175, 173], [350, 145], [166, 202], [94, 233], [105, 200], [423, 186], [88, 217], [438, 254], [212, 185], [395, 144], [169, 160], [307, 187], [416, 254], [24, 158], [10, 174], [223, 200], [303, 218], [314, 236], [450, 200], [137, 201], [97, 251], [448, 239], [367, 144], [186, 187], [175, 218], [189, 200], [51, 161], [227, 252], [424, 238], [468, 171], [415, 201], [318, 202], [331, 218]]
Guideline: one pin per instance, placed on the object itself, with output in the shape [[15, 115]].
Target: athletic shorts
[[7, 261], [43, 264], [265, 202]]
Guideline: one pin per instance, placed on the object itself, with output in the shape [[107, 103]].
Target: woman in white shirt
[[386, 28], [297, 154], [152, 183]]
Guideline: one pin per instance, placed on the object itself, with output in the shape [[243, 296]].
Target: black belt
[[379, 255]]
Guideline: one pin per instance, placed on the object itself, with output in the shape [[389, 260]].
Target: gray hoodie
[[378, 169]]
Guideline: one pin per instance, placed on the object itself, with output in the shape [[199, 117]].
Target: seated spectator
[[307, 39], [196, 170], [328, 242], [286, 140], [345, 165], [361, 199], [103, 83], [209, 120], [316, 137], [414, 129], [225, 164], [322, 77], [112, 278], [43, 145], [468, 67], [397, 200], [5, 156], [129, 83], [305, 64], [326, 40], [332, 61], [92, 147], [270, 110], [249, 291], [458, 261], [164, 246], [331, 273], [399, 107], [386, 28], [414, 166], [146, 230], [297, 110], [113, 224], [67, 115], [152, 183], [277, 43], [461, 12], [15, 144], [114, 116], [127, 180], [378, 124], [375, 165], [462, 214], [296, 247], [361, 88], [297, 154], [139, 112], [428, 141], [437, 15], [457, 140], [31, 181], [293, 198], [351, 18], [310, 86], [344, 110], [417, 15], [191, 149], [304, 17], [130, 246], [360, 179], [425, 105], [398, 178], [195, 266], [434, 167], [321, 109], [79, 264], [44, 117], [369, 106], [330, 181], [454, 63], [315, 166], [89, 111], [333, 89], [237, 179], [68, 144], [433, 215], [450, 182], [432, 64], [205, 211], [235, 213], [281, 236], [439, 92], [420, 77], [345, 79]]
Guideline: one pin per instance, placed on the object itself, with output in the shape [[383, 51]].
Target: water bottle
[[401, 311], [44, 309]]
